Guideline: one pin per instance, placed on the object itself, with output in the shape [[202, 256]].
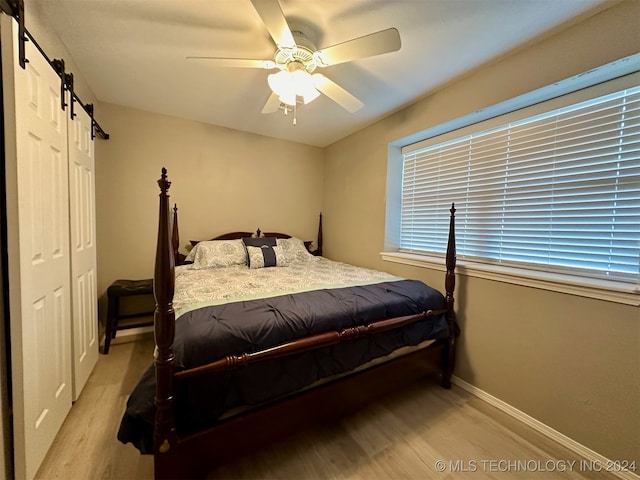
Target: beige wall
[[222, 180], [571, 362]]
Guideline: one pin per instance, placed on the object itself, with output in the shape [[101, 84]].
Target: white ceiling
[[133, 53]]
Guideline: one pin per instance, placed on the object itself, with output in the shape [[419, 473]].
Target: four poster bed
[[256, 353]]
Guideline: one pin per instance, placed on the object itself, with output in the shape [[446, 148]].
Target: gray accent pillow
[[266, 256]]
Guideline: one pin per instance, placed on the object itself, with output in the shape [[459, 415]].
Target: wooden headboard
[[179, 257]]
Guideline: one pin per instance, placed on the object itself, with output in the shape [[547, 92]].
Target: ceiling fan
[[297, 58]]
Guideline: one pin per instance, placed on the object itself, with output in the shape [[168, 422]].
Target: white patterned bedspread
[[199, 288]]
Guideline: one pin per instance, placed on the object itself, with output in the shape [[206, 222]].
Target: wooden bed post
[[319, 249], [175, 236], [448, 360], [164, 325]]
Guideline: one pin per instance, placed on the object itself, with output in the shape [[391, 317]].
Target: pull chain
[[294, 109]]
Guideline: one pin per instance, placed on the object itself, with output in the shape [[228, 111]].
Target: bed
[[257, 337]]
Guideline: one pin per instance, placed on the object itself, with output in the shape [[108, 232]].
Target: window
[[558, 191]]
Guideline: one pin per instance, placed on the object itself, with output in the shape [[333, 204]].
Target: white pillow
[[217, 254], [294, 249]]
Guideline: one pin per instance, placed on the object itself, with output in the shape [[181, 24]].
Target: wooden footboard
[[194, 455]]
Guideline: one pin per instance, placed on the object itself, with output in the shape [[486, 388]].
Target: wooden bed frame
[[179, 257], [195, 455]]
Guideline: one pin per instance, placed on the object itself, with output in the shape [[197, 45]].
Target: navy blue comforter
[[211, 333]]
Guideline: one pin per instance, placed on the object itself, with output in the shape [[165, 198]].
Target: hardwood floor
[[86, 447], [402, 436]]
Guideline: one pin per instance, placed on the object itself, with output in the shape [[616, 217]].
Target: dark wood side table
[[116, 291]]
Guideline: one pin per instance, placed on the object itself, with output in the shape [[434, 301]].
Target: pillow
[[217, 254], [266, 256], [192, 254], [259, 241], [294, 249]]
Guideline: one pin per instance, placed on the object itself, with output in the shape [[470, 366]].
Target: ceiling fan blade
[[370, 45], [272, 105], [237, 62], [276, 23], [336, 93]]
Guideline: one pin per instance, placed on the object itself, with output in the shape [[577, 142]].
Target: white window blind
[[558, 192]]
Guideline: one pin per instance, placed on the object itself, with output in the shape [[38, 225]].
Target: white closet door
[[82, 220], [38, 244]]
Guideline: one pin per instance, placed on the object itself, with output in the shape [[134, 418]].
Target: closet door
[[84, 312], [38, 245]]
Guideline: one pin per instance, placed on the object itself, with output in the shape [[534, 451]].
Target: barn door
[[83, 249], [38, 245]]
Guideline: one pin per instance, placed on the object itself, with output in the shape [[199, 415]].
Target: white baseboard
[[130, 332], [546, 430]]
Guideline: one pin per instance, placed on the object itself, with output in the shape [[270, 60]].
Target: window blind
[[559, 191]]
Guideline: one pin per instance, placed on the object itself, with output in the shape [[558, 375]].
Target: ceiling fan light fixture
[[303, 85], [288, 98], [292, 83], [280, 83], [297, 58]]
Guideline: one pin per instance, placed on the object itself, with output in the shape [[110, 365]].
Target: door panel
[[38, 245], [83, 249]]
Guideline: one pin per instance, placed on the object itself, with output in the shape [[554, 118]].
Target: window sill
[[610, 291]]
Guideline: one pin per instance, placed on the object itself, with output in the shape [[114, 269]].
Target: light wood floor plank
[[401, 436]]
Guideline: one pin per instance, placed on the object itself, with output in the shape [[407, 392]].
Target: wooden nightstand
[[117, 290]]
